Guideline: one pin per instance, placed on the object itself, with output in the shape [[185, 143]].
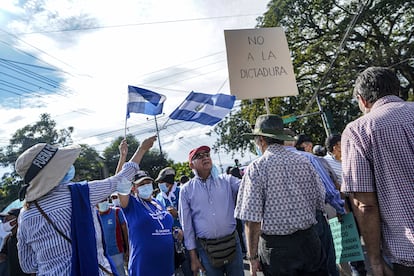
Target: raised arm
[[124, 190], [123, 152], [143, 148]]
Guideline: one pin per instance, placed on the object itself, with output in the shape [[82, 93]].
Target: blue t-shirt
[[111, 226], [150, 236]]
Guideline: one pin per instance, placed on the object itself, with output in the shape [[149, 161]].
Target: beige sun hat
[[43, 166]]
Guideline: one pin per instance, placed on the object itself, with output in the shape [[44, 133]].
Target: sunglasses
[[114, 197], [201, 155]]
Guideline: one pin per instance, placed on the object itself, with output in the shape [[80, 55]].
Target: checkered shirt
[[282, 190], [378, 156]]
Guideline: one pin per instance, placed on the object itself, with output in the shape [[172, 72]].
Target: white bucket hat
[[43, 167]]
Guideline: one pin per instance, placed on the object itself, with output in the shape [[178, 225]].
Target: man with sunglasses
[[206, 212]]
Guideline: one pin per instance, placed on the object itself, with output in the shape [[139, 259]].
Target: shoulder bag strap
[[62, 234]]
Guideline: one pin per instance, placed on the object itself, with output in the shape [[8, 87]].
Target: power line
[[185, 71], [31, 75], [137, 24], [31, 65], [40, 50], [181, 64]]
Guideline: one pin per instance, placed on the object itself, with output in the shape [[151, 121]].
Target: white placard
[[259, 63]]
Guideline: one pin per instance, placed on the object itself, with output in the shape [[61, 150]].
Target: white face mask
[[7, 227], [103, 206], [145, 191], [116, 202]]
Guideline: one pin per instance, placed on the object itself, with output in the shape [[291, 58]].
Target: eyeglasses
[[201, 155], [114, 197]]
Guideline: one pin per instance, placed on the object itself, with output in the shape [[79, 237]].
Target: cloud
[[170, 47]]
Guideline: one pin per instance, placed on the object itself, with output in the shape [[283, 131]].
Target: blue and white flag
[[203, 108], [144, 101]]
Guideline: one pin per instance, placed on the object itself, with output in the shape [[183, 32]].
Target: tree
[[89, 165], [181, 169], [330, 43], [152, 162], [42, 131]]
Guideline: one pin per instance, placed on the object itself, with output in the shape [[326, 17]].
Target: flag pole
[[126, 119], [266, 100], [158, 134], [181, 104]]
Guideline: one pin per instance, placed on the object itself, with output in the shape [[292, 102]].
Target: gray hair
[[376, 82]]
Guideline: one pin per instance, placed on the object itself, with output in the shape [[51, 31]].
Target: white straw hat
[[43, 167]]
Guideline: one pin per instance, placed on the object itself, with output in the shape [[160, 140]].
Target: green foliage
[[111, 153], [152, 162], [89, 165], [327, 54], [9, 189], [42, 131], [181, 169], [228, 141]]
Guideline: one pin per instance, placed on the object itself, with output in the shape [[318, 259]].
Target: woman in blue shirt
[[149, 227]]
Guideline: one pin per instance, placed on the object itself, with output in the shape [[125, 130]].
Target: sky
[[75, 59]]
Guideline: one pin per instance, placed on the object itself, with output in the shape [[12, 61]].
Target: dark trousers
[[239, 228], [325, 235], [298, 254], [400, 270]]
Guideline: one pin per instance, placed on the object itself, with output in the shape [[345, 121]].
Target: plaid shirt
[[282, 190], [378, 156]]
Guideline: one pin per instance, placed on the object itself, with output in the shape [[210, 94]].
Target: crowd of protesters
[[273, 214]]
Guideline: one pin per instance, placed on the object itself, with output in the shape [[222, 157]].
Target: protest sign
[[346, 239], [259, 63]]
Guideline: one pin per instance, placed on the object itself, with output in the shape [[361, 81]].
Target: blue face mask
[[69, 175], [163, 187], [145, 191], [103, 206], [214, 172], [258, 151]]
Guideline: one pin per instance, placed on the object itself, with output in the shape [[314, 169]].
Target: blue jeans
[[235, 268]]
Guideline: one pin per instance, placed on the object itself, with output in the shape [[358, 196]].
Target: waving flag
[[144, 101], [203, 108]]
